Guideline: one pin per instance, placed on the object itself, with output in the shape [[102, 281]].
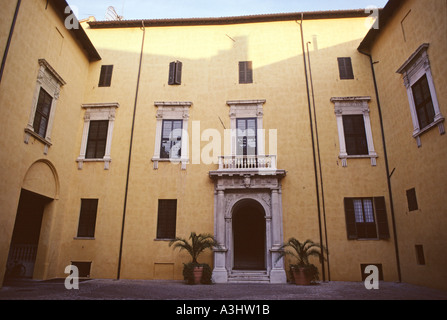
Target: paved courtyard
[[101, 289]]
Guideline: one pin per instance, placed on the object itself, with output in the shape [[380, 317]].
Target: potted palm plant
[[194, 272], [303, 272]]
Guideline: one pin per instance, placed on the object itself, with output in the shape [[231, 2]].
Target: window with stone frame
[[171, 130], [96, 144], [46, 96], [421, 92], [354, 129]]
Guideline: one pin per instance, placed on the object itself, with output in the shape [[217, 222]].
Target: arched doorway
[[39, 188], [249, 242]]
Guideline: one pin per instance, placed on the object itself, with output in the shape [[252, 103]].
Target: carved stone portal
[[231, 188]]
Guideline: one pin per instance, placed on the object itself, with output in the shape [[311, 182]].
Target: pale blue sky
[[160, 9]]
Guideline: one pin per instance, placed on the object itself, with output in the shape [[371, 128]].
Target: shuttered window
[[420, 257], [171, 139], [167, 216], [245, 72], [97, 139], [412, 200], [87, 218], [345, 68], [105, 78], [42, 115], [423, 102], [246, 136], [355, 135], [175, 73], [366, 218]]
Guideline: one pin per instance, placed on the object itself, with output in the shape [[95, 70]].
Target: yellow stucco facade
[[303, 195]]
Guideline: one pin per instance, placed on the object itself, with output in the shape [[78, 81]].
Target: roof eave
[[358, 13]]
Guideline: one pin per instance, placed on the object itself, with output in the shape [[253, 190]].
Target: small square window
[[412, 200], [175, 73], [245, 72], [167, 216], [87, 218], [420, 258], [345, 68], [105, 79]]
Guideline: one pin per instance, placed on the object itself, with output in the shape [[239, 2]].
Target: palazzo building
[[120, 135]]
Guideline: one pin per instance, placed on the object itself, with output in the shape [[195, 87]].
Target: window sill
[[83, 238], [163, 239], [30, 133], [344, 158], [438, 122], [183, 161], [106, 161]]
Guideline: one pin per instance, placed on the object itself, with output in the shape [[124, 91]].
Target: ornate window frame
[[353, 106], [247, 109], [412, 70], [50, 81], [172, 110], [98, 111]]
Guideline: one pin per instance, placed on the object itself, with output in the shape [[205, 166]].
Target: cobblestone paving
[[176, 290]]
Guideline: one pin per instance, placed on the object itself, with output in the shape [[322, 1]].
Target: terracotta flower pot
[[300, 277], [198, 271]]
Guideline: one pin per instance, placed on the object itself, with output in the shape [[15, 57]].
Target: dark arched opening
[[249, 236]]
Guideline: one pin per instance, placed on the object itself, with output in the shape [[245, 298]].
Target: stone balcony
[[251, 162]]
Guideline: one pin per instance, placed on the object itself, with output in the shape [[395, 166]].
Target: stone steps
[[248, 276]]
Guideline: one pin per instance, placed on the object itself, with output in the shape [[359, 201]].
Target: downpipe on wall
[[388, 175], [300, 22], [130, 152]]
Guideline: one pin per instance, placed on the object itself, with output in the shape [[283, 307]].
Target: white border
[[98, 111], [172, 111], [49, 80], [412, 70], [350, 106]]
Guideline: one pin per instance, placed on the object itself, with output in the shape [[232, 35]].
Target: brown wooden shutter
[[345, 68], [245, 72], [178, 72], [412, 200], [382, 220], [175, 72], [350, 219], [105, 78], [171, 73], [97, 139], [87, 218]]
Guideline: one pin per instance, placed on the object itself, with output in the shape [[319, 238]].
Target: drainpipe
[[8, 43], [319, 160], [130, 153], [388, 175], [313, 142]]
